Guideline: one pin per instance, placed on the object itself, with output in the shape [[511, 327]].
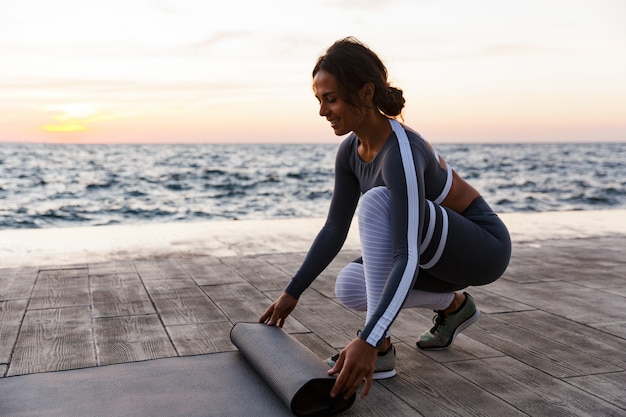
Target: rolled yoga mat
[[295, 374], [271, 375]]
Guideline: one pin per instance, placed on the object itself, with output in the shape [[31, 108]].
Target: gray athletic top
[[412, 173]]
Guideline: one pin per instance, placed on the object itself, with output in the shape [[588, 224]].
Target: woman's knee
[[350, 287], [374, 203]]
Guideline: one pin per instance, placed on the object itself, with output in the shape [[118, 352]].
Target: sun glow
[[197, 71], [70, 117], [68, 127], [80, 117]]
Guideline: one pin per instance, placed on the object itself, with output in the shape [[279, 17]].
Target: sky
[[239, 71]]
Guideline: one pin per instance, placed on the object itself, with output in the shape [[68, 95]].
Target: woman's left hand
[[356, 362]]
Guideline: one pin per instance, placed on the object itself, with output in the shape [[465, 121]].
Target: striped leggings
[[456, 251]]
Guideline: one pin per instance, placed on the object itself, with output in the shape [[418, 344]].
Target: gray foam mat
[[219, 384], [225, 384]]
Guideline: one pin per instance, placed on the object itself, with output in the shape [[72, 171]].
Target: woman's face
[[343, 117]]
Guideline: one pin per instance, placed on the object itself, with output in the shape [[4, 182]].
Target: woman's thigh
[[477, 251]]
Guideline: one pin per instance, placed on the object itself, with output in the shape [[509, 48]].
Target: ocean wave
[[69, 185]]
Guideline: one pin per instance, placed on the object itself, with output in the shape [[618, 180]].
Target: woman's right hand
[[276, 314]]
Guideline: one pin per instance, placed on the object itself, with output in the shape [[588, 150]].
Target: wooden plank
[[177, 303], [119, 294], [11, 315], [616, 328], [434, 390], [527, 266], [287, 262], [239, 302], [60, 288], [209, 270], [584, 256], [609, 387], [315, 344], [198, 339], [380, 402], [160, 268], [242, 302], [491, 303], [325, 284], [131, 338], [112, 267], [575, 335], [539, 351], [54, 340], [17, 283], [584, 305], [530, 390], [621, 291], [258, 272], [329, 320]]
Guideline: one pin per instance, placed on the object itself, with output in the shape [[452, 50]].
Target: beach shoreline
[[72, 245]]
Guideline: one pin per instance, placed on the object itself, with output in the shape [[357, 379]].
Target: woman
[[425, 232]]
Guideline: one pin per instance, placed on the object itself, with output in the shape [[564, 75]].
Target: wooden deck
[[551, 340]]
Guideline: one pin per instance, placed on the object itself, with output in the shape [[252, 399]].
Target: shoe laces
[[438, 320]]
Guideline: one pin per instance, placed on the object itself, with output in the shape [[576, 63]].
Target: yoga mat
[[291, 370], [223, 384]]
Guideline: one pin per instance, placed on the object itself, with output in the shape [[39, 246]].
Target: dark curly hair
[[353, 65]]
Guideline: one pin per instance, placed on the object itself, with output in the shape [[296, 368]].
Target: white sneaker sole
[[384, 374]]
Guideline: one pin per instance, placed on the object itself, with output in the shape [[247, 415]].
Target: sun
[[71, 117], [78, 117], [66, 127]]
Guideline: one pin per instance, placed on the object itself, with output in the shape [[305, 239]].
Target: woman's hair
[[353, 65]]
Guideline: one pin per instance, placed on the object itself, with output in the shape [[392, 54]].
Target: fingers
[[368, 384], [276, 319], [267, 315], [356, 362], [347, 383], [272, 317], [277, 313]]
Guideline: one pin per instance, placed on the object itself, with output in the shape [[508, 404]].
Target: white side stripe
[[442, 241], [412, 236], [446, 188], [431, 227]]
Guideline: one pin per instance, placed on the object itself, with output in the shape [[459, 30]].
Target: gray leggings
[[477, 251], [472, 248]]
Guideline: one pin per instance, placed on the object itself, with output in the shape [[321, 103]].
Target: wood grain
[[551, 339]]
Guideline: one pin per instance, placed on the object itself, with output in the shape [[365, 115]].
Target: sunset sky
[[181, 71]]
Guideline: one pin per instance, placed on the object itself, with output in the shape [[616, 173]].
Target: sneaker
[[385, 363], [446, 327]]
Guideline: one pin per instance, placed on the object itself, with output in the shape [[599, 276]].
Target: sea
[[54, 185]]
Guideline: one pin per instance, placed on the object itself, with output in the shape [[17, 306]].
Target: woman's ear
[[367, 94]]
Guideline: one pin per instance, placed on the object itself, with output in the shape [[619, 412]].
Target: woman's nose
[[323, 110]]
